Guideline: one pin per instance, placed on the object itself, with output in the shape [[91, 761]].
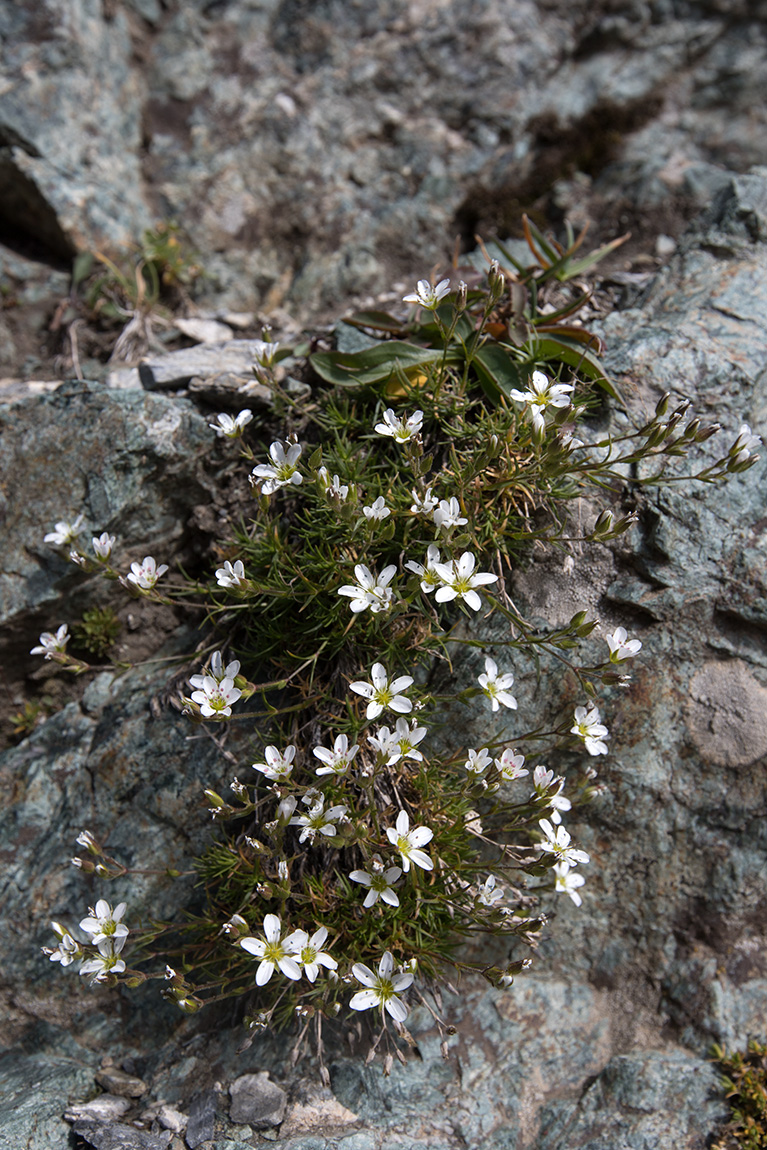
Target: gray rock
[[118, 1136], [121, 470], [202, 1118], [175, 368], [118, 1082], [35, 1090], [105, 1108], [257, 1101]]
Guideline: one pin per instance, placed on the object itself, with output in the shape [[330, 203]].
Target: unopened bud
[[661, 407]]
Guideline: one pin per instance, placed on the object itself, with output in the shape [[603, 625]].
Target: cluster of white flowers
[[108, 934]]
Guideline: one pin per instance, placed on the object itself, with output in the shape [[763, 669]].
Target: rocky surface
[[315, 149]]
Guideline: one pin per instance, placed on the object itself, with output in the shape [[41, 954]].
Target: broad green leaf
[[377, 320], [376, 364], [497, 371]]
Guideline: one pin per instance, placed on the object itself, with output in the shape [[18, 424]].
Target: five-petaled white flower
[[427, 296], [408, 842], [273, 951], [459, 581], [557, 842], [621, 647], [278, 765], [428, 575], [103, 544], [423, 504], [401, 743], [52, 644], [282, 471], [103, 922], [337, 761], [540, 395], [146, 574], [448, 514], [400, 428], [371, 590], [489, 893], [318, 821], [228, 427], [478, 761], [309, 952], [215, 698], [567, 881], [107, 961], [231, 574], [383, 695], [382, 988], [510, 765], [380, 880], [496, 686], [588, 727], [378, 510], [64, 533]]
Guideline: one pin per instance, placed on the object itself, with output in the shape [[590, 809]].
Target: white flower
[[217, 671], [231, 428], [427, 296], [88, 840], [283, 469], [459, 581], [382, 988], [403, 741], [234, 925], [557, 842], [510, 765], [540, 395], [378, 510], [103, 544], [332, 487], [264, 351], [408, 842], [338, 760], [318, 820], [621, 647], [741, 450], [309, 952], [52, 644], [107, 961], [68, 949], [489, 893], [64, 533], [567, 881], [423, 504], [215, 698], [278, 765], [495, 685], [103, 922], [448, 514], [383, 694], [371, 591], [400, 428], [542, 781], [380, 880], [146, 574], [273, 951], [588, 727], [428, 575], [231, 575], [478, 761]]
